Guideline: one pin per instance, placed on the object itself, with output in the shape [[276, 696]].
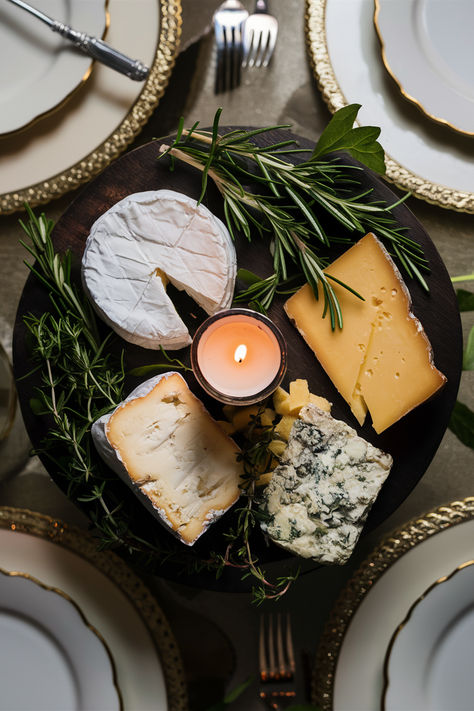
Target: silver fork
[[229, 19], [260, 35], [277, 662]]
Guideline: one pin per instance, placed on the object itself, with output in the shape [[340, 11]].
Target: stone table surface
[[217, 631]]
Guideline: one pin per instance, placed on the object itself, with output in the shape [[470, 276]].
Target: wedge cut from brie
[[163, 443], [141, 243]]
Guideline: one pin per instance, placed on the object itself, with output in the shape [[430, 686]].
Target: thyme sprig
[[78, 378], [256, 459], [294, 201]]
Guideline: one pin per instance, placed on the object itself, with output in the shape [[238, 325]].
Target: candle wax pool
[[233, 370]]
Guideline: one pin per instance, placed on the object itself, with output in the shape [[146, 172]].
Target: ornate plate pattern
[[118, 136], [329, 85], [128, 591], [401, 544]]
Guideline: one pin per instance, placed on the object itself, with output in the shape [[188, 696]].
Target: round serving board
[[412, 441]]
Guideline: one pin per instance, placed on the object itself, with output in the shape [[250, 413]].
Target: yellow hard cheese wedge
[[381, 360]]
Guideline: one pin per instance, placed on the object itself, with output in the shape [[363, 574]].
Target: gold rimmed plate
[[432, 65], [114, 600], [432, 161], [43, 69], [429, 659], [44, 633], [349, 666], [65, 150]]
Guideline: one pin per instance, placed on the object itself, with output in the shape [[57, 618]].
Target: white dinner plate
[[429, 660], [112, 598], [73, 144], [349, 665], [431, 160], [42, 67], [427, 47], [51, 658]]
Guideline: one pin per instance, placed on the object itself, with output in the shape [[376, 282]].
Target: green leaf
[[37, 406], [468, 358], [248, 277], [303, 707], [465, 300], [231, 696], [462, 424], [361, 142]]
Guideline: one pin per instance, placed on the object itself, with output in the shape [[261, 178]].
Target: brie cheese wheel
[[141, 243], [176, 459], [319, 496]]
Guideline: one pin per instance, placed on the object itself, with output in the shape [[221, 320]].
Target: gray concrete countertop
[[218, 631]]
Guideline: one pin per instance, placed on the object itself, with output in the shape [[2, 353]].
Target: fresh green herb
[[462, 417], [295, 199], [256, 459], [232, 696], [462, 424], [468, 357], [154, 368], [465, 300], [77, 379]]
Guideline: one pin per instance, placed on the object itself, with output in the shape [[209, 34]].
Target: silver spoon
[[95, 48]]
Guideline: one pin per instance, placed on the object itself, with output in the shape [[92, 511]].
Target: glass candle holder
[[238, 356]]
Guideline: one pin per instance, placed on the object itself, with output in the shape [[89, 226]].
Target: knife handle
[[103, 52]]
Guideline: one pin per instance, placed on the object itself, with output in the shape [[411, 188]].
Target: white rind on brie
[[163, 443], [320, 495], [137, 241]]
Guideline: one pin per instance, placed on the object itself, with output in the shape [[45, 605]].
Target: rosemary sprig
[[77, 379], [295, 200]]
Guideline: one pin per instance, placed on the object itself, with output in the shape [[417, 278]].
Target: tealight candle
[[238, 356]]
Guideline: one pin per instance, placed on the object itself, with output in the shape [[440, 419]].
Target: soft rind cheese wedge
[[141, 243], [163, 443], [381, 360], [321, 493]]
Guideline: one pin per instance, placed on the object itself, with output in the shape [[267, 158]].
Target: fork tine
[[262, 656], [271, 649], [281, 656], [269, 47], [289, 646]]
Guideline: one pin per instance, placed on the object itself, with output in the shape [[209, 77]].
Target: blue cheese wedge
[[164, 444], [320, 495], [141, 244]]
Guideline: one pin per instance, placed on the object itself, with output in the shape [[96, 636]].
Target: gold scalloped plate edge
[[409, 97], [69, 95], [148, 99], [402, 625], [111, 565], [386, 553], [82, 616], [401, 177]]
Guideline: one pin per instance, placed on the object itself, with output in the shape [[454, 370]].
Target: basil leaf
[[465, 300], [462, 424], [360, 142], [468, 358]]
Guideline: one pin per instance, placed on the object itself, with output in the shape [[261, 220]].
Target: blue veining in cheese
[[319, 496]]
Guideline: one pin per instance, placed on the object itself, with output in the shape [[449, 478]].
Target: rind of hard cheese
[[381, 360], [174, 456], [320, 495], [147, 236]]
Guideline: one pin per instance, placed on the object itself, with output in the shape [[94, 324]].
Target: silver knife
[[95, 48]]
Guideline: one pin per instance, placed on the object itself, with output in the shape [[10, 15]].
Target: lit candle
[[238, 356]]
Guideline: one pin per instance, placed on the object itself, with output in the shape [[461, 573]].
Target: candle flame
[[240, 353]]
